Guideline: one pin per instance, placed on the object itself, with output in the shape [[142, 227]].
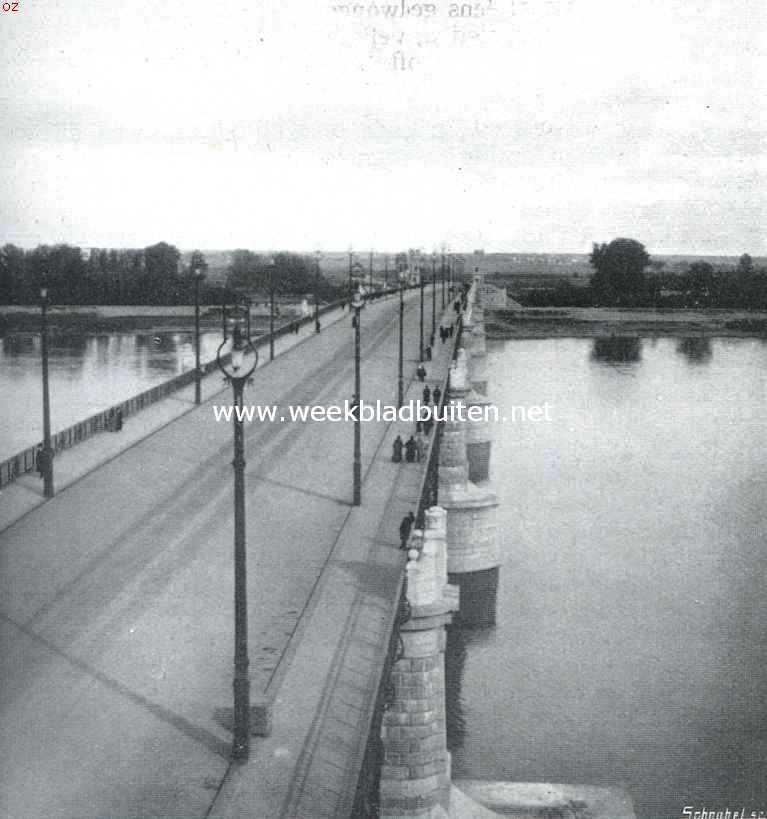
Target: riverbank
[[90, 323], [586, 322]]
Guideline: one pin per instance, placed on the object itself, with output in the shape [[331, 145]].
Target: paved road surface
[[116, 596]]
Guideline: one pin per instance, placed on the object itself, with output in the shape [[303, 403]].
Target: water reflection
[[455, 660], [630, 647], [696, 349], [16, 346], [617, 350], [88, 373]]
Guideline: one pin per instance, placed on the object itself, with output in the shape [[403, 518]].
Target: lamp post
[[442, 276], [433, 296], [421, 284], [197, 374], [47, 452], [271, 309], [317, 256], [371, 271], [237, 358], [357, 302], [400, 377], [386, 275]]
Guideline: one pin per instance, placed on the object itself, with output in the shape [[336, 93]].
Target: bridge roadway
[[116, 630]]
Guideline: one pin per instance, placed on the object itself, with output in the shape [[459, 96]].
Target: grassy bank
[[558, 322]]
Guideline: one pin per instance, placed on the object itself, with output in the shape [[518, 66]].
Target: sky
[[507, 125]]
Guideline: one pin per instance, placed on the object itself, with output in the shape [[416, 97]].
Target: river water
[[88, 373], [631, 642]]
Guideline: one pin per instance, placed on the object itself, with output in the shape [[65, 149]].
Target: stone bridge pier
[[456, 559], [473, 555], [415, 777]]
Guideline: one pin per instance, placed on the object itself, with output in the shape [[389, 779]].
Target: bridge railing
[[24, 461], [429, 494], [366, 799]]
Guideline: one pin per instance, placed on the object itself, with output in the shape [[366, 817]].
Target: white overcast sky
[[262, 124]]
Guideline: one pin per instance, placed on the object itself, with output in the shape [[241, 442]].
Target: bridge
[[117, 619]]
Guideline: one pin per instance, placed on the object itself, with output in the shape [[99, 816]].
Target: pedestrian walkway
[[308, 768], [116, 624], [26, 492]]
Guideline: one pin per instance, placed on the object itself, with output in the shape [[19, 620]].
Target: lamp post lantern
[[198, 273], [237, 359], [47, 452], [357, 302]]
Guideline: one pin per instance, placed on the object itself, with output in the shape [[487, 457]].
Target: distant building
[[478, 263], [283, 305], [491, 297]]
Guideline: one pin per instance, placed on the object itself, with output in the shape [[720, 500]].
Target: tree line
[[151, 275], [287, 273], [626, 276]]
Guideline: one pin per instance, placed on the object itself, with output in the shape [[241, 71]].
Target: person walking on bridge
[[426, 395], [404, 529], [397, 450], [40, 464]]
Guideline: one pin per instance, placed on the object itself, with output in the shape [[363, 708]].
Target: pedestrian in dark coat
[[427, 425], [436, 395], [426, 395], [419, 447], [410, 450], [404, 529], [428, 353], [40, 461], [421, 372], [118, 420], [397, 450]]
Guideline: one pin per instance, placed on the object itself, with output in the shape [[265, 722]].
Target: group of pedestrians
[[413, 448], [115, 420], [432, 396]]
